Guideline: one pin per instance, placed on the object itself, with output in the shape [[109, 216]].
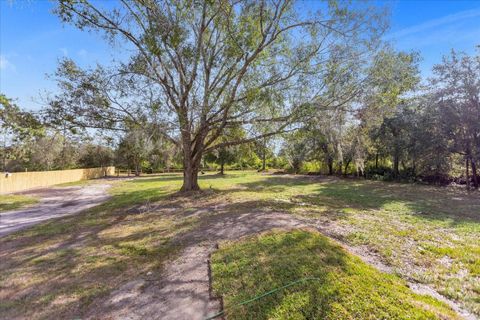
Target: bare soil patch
[[55, 202], [183, 291]]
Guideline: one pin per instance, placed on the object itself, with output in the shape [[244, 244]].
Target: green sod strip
[[263, 295], [345, 287]]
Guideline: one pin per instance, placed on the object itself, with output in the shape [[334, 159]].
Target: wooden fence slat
[[20, 181]]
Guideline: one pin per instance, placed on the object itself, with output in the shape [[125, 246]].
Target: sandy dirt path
[[54, 202], [183, 290]]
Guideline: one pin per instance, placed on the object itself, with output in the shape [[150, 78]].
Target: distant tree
[[18, 128], [349, 145], [222, 156], [134, 148], [52, 151], [227, 155], [163, 155], [393, 75], [394, 134], [366, 117], [94, 156], [263, 150], [295, 150], [431, 154], [456, 93]]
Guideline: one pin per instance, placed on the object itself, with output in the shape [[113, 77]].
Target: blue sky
[[32, 40]]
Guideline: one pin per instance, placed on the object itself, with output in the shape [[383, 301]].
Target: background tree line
[[31, 142], [401, 129], [251, 84]]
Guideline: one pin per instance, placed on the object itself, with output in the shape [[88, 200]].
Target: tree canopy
[[198, 68]]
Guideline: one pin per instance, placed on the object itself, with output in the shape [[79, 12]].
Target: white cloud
[[5, 64], [64, 51], [435, 23], [83, 53]]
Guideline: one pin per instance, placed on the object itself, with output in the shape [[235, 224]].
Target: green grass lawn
[[58, 269], [78, 183], [343, 287], [427, 234], [15, 201]]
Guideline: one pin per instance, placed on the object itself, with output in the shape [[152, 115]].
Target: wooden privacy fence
[[19, 181]]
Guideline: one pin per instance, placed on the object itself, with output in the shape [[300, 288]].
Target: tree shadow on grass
[[70, 264], [344, 288], [272, 262], [57, 268], [60, 268], [429, 203], [454, 207], [424, 203], [179, 177]]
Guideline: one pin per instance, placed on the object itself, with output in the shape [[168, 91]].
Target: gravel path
[[54, 202]]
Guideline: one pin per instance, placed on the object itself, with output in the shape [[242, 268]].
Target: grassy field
[[13, 201], [339, 285], [59, 269], [427, 234]]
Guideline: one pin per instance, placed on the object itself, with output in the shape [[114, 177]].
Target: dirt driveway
[[54, 202]]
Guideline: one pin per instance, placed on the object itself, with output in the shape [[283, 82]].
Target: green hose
[[263, 295]]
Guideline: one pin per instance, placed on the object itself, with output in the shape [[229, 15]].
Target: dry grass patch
[[59, 268], [15, 201]]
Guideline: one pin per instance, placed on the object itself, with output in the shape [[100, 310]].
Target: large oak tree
[[200, 67]]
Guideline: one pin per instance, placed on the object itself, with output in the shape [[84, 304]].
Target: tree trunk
[[474, 174], [222, 167], [376, 160], [396, 162], [190, 176], [330, 167], [468, 175], [264, 155], [191, 166], [137, 169], [347, 164]]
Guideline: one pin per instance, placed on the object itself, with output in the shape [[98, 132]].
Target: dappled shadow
[[423, 202], [453, 206], [68, 265], [280, 260], [62, 266], [166, 177], [68, 268], [236, 221], [267, 182], [183, 286]]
